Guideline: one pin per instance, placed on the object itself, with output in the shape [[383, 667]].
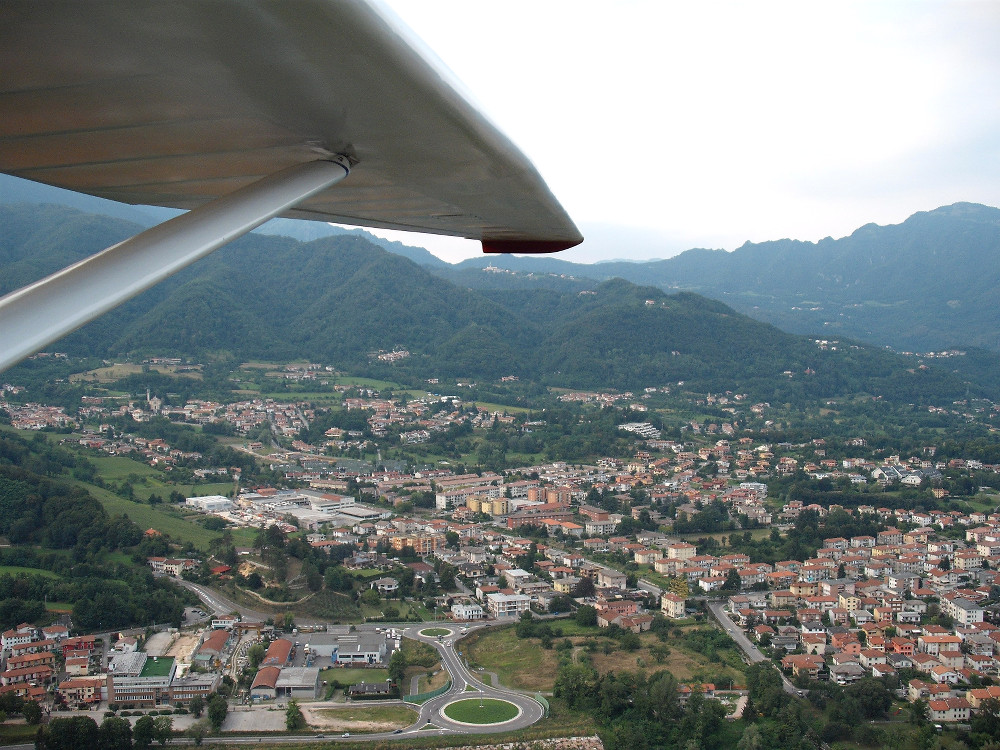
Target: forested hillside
[[55, 525], [931, 282], [341, 300]]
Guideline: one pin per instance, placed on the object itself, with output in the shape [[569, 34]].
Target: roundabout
[[481, 711], [458, 709], [435, 632]]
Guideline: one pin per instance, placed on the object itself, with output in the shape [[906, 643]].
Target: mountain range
[[929, 283], [341, 300]]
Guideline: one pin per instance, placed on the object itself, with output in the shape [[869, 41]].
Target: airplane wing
[[190, 102], [175, 103]]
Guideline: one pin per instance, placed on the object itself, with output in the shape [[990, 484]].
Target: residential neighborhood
[[888, 581]]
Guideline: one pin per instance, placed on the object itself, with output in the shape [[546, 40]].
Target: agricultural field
[[147, 481], [379, 385], [524, 664], [14, 570], [502, 407], [332, 606], [118, 468], [320, 398], [163, 519], [118, 371]]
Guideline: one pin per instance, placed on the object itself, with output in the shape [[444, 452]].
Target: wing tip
[[532, 247]]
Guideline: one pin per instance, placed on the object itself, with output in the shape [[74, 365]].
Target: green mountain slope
[[932, 282], [23, 193], [929, 283], [340, 300]]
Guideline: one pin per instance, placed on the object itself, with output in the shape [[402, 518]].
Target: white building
[[210, 503], [672, 605], [328, 503], [467, 612], [963, 611], [507, 605], [597, 528], [137, 678], [361, 648]]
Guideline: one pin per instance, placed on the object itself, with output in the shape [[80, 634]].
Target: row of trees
[[114, 733]]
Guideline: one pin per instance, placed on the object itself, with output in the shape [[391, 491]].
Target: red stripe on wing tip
[[528, 246]]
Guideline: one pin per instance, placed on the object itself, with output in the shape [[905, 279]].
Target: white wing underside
[[177, 103]]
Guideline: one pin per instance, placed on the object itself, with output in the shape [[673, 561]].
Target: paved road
[[430, 715], [430, 721], [752, 653], [649, 588], [222, 605], [219, 604], [461, 680]]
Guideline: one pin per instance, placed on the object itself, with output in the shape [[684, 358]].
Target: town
[[684, 525]]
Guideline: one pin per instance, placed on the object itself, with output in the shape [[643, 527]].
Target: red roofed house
[[949, 709], [80, 691], [85, 643]]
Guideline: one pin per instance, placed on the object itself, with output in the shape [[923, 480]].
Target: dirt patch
[[438, 679], [360, 718], [681, 665], [256, 719], [159, 644], [183, 647]]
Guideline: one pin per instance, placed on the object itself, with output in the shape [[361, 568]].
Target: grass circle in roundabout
[[434, 632], [481, 711]]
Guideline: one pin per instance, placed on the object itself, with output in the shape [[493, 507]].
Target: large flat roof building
[[298, 682], [209, 503], [137, 678]]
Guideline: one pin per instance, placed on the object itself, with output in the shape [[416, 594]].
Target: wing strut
[[37, 315]]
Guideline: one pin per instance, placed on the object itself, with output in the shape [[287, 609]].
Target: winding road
[[221, 605], [462, 679], [431, 711], [464, 685], [431, 719]]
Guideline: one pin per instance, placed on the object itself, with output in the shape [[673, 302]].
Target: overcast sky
[[663, 125]]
